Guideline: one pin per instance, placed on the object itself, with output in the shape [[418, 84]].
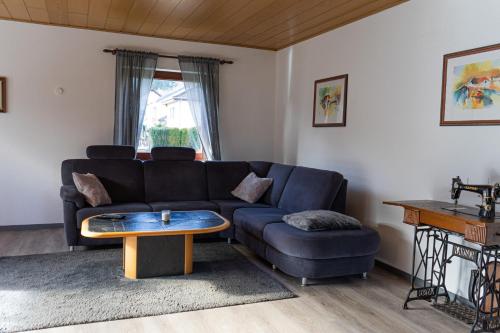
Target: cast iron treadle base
[[457, 310]]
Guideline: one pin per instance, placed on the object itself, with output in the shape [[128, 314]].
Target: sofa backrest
[[173, 154], [223, 177], [260, 168], [309, 188], [174, 175], [279, 173], [110, 152], [339, 202], [123, 179]]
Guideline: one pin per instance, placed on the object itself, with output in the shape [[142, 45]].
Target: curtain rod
[[221, 61]]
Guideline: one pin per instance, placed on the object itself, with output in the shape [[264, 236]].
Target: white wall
[[41, 129], [393, 147]]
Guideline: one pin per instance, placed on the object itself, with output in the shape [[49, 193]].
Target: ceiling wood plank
[[268, 13], [40, 4], [118, 13], [78, 6], [78, 20], [346, 17], [39, 15], [180, 13], [207, 8], [326, 7], [157, 15], [249, 10], [288, 13], [17, 9], [98, 13], [137, 15], [58, 11], [267, 24], [4, 12], [231, 8]]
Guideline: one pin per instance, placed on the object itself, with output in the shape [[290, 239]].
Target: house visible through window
[[168, 121]]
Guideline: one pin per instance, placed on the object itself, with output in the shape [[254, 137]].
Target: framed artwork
[[330, 102], [3, 94], [471, 87]]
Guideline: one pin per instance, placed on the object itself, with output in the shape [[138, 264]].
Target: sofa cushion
[[223, 177], [184, 205], [254, 220], [279, 173], [175, 181], [87, 212], [123, 179], [317, 220], [227, 207], [111, 152], [92, 189], [321, 244], [252, 188], [310, 189], [173, 154]]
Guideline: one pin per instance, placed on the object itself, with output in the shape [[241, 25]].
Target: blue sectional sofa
[[174, 180]]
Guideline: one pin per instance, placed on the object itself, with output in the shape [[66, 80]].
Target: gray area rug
[[41, 291]]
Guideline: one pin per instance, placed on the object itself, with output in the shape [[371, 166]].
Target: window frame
[[171, 76]]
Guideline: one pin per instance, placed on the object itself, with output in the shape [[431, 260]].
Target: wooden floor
[[338, 305]]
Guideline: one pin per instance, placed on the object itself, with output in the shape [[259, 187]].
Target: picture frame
[[470, 93], [330, 101], [3, 95]]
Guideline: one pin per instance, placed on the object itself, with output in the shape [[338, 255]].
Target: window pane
[[168, 120]]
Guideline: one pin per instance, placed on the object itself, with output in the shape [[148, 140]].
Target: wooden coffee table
[[152, 247]]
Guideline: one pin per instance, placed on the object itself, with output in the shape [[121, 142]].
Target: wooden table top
[[150, 224], [458, 212], [460, 219]]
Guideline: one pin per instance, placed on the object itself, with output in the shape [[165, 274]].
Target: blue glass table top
[[152, 222]]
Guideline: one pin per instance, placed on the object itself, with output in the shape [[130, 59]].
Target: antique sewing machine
[[445, 232], [488, 193]]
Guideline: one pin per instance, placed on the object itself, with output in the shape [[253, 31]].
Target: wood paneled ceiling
[[266, 24]]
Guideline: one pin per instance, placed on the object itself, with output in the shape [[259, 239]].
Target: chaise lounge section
[[174, 180]]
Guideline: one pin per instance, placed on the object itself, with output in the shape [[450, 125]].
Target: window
[[168, 120]]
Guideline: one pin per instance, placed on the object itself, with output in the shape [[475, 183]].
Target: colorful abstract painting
[[330, 101], [471, 87]]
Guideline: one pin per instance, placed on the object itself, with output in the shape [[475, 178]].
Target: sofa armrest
[[71, 194]]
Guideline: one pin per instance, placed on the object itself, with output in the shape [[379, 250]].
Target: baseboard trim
[[31, 226], [393, 269], [407, 277]]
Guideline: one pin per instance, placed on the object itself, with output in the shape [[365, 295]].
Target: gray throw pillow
[[316, 220], [92, 189], [252, 188]]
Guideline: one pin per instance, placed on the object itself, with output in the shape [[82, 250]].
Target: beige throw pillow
[[252, 188], [92, 189]]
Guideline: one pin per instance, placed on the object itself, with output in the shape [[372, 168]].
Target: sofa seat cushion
[[321, 244], [254, 220], [132, 207], [184, 205], [227, 207]]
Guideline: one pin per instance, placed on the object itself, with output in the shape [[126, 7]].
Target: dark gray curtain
[[201, 79], [134, 76]]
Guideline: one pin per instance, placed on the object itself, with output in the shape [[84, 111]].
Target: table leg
[[130, 257], [188, 254]]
